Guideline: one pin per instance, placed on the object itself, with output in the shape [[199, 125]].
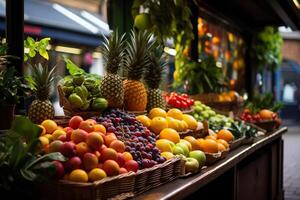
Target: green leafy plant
[[266, 49], [11, 86], [201, 77], [260, 102], [20, 161], [32, 47]]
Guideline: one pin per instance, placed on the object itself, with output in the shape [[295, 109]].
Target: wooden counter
[[249, 172]]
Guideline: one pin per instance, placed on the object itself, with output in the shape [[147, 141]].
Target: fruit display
[[202, 112], [93, 152], [111, 87], [136, 62], [158, 119], [139, 140], [181, 101], [153, 78], [82, 89], [41, 108], [230, 96]]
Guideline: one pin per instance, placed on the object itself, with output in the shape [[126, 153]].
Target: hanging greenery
[[266, 49]]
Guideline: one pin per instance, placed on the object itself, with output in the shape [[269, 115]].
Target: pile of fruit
[[93, 153], [82, 89], [139, 140], [181, 101], [262, 115], [158, 119], [202, 112], [230, 96]]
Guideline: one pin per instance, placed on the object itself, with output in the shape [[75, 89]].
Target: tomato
[[178, 104], [184, 105], [189, 102], [185, 96], [172, 101]]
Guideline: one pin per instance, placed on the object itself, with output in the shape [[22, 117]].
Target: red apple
[[75, 122], [123, 170], [60, 170], [87, 126], [68, 131], [90, 161], [120, 159], [67, 149], [73, 163], [108, 154], [131, 165], [111, 167], [62, 138]]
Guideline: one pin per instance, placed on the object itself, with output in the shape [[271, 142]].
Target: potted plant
[[11, 87]]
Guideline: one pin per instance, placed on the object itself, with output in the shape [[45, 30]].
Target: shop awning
[[46, 19]]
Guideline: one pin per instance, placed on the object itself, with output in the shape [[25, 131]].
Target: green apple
[[199, 156], [177, 150], [184, 147], [191, 165], [142, 21]]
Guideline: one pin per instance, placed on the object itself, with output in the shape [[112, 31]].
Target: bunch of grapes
[[139, 140]]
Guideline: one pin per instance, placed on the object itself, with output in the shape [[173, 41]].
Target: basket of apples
[[180, 101]]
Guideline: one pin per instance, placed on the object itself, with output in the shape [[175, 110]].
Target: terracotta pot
[[6, 116]]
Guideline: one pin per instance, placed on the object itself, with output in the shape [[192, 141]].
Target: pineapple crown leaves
[[154, 73], [41, 80], [137, 59], [113, 52]]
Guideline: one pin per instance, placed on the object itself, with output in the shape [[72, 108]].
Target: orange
[[225, 135], [78, 175], [144, 120], [195, 143], [210, 146], [191, 121], [172, 123], [157, 112], [158, 124], [99, 128], [200, 140], [127, 156], [266, 114], [169, 134], [223, 142], [221, 147], [175, 113], [211, 137], [96, 174], [43, 131], [49, 125]]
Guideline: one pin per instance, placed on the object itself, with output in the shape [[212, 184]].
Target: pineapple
[[111, 87], [41, 108], [136, 61], [153, 78]]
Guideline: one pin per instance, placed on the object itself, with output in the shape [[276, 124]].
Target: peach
[[91, 121], [62, 138], [94, 140], [75, 121], [97, 153], [68, 131], [73, 163], [117, 145], [109, 138], [90, 161], [87, 126], [67, 149], [108, 154], [120, 159], [127, 156], [131, 165], [111, 167], [100, 128], [123, 170], [55, 146], [82, 148], [79, 135]]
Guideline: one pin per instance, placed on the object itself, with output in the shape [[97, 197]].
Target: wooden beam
[[15, 32]]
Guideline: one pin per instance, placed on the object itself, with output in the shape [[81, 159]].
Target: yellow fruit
[[144, 120], [175, 113], [100, 128], [43, 132], [164, 145], [226, 145], [195, 143], [221, 147], [158, 124], [96, 174], [57, 133], [210, 146], [191, 121], [167, 155], [49, 136], [184, 125], [49, 125], [211, 137], [44, 140], [78, 175], [169, 134], [157, 112], [225, 135], [187, 143], [172, 123]]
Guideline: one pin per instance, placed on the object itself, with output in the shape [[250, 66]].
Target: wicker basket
[[62, 121], [224, 153], [212, 158], [159, 174], [236, 143], [269, 125], [118, 187], [136, 113], [69, 110]]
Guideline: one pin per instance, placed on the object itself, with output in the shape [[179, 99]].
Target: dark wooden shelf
[[183, 187]]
